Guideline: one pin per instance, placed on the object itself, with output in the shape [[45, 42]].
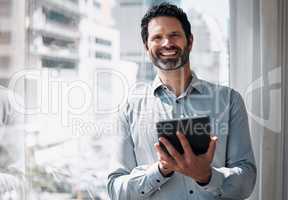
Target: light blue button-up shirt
[[134, 172]]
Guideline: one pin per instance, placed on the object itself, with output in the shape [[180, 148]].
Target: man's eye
[[156, 38], [175, 35]]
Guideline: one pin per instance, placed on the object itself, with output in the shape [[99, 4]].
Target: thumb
[[212, 148]]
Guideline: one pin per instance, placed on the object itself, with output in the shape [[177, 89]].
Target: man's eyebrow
[[155, 34], [172, 32]]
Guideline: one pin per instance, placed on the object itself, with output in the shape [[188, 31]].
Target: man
[[141, 170]]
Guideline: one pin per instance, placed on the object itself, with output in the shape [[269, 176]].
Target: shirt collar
[[195, 83]]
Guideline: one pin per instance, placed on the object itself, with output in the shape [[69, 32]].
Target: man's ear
[[146, 49], [190, 41]]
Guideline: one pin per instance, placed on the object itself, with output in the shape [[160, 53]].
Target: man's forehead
[[164, 23]]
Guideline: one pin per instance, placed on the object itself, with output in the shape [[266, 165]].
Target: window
[[74, 1], [59, 18], [5, 38], [58, 64], [5, 8], [4, 62], [209, 25], [109, 30], [103, 55], [97, 4], [103, 41], [54, 42]]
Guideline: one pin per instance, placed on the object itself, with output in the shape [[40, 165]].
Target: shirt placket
[[178, 110]]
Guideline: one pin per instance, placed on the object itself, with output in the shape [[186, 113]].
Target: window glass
[[87, 55], [5, 8]]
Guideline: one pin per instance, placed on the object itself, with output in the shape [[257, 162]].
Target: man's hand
[[197, 167]]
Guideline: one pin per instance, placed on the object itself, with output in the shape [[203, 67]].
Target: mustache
[[170, 48], [178, 49]]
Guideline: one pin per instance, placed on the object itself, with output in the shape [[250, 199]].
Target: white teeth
[[169, 53]]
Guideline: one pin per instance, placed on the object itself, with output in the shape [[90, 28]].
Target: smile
[[168, 53]]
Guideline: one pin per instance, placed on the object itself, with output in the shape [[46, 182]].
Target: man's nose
[[166, 42]]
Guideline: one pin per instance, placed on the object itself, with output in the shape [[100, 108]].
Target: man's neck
[[176, 80]]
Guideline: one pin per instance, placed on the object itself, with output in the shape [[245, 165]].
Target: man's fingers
[[185, 145], [165, 164], [162, 156], [212, 148], [171, 150]]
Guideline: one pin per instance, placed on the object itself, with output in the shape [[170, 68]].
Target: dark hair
[[165, 9]]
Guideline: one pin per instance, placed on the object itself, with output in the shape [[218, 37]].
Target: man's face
[[167, 45]]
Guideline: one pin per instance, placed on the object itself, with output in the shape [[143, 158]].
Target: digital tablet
[[196, 129]]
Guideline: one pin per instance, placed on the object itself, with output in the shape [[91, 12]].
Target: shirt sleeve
[[127, 180], [237, 179]]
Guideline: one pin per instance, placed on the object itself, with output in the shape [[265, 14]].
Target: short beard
[[171, 64]]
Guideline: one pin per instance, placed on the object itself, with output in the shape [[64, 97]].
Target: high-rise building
[[70, 40], [12, 39], [54, 34]]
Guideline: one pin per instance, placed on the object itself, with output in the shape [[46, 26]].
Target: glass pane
[[4, 63], [210, 54], [5, 37], [82, 58], [5, 8]]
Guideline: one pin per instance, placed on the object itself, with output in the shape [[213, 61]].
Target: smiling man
[[172, 51], [141, 169]]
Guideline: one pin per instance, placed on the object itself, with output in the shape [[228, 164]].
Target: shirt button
[[191, 192], [177, 101], [158, 180], [142, 192]]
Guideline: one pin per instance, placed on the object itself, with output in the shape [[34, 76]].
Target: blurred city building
[[12, 38], [66, 41], [209, 57]]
